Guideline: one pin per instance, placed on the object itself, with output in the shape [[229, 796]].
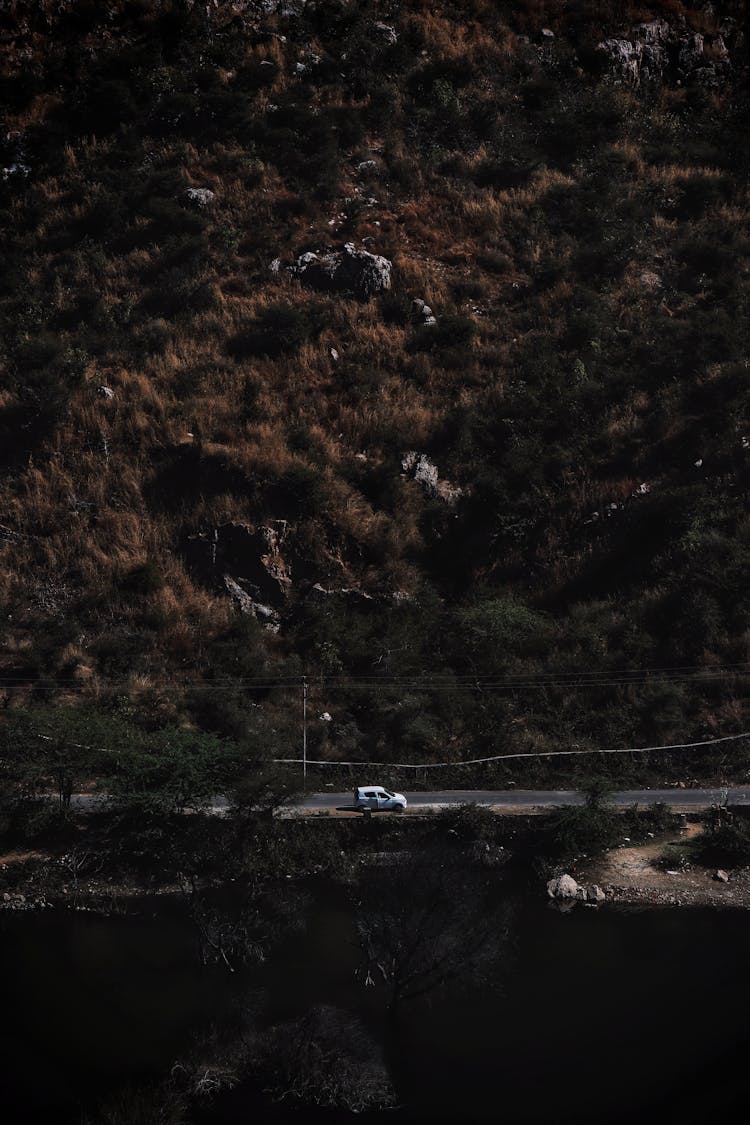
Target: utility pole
[[304, 732]]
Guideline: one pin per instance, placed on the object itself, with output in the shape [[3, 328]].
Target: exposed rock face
[[349, 270], [264, 613], [656, 52], [426, 473], [250, 557], [199, 197]]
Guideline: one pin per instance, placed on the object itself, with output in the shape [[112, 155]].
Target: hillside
[[225, 465]]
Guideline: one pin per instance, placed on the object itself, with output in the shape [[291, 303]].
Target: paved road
[[493, 798], [538, 798]]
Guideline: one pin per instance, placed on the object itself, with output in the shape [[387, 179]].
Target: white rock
[[201, 196], [563, 887]]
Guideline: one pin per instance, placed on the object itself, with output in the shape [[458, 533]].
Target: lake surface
[[598, 1015]]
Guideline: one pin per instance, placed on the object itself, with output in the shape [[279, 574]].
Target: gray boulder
[[594, 893], [386, 33], [423, 313], [199, 197], [565, 887], [348, 270]]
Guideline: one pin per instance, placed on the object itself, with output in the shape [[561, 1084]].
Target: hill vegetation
[[204, 491]]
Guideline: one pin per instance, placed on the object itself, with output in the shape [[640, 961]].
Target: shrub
[[281, 329]]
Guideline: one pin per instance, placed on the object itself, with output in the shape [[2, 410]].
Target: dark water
[[600, 1015]]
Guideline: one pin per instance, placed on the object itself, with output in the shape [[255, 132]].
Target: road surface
[[531, 799], [501, 799]]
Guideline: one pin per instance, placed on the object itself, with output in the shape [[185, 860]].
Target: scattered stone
[[317, 590], [333, 353], [721, 876], [348, 270], [201, 197], [105, 392], [594, 893], [275, 265], [547, 33]]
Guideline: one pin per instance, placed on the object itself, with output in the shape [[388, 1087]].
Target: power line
[[424, 681], [525, 756]]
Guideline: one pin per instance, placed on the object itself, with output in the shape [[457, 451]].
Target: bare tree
[[425, 918]]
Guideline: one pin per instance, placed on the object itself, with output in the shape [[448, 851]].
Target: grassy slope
[[524, 199]]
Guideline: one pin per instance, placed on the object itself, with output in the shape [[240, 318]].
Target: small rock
[[387, 33], [200, 196], [547, 33], [333, 353], [275, 265], [105, 392], [721, 876], [594, 893]]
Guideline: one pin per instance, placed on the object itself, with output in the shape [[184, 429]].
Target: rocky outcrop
[[248, 556], [348, 270], [245, 603], [422, 469], [656, 52]]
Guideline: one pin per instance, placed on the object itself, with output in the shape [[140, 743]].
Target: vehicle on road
[[374, 798]]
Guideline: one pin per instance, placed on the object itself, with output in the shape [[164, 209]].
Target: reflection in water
[[604, 1015]]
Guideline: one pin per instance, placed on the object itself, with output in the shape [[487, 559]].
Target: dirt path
[[627, 875]]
